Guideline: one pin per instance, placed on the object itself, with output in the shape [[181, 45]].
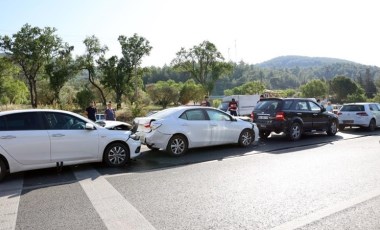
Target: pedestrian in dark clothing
[[205, 102], [91, 111], [109, 113]]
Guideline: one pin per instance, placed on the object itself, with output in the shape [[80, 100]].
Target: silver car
[[36, 138], [178, 129]]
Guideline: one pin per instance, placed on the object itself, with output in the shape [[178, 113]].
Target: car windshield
[[352, 108]]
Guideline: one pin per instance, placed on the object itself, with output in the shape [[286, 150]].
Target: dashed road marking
[[115, 211], [10, 192]]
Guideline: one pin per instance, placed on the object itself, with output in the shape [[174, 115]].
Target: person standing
[[109, 113], [329, 107], [91, 111], [205, 102], [232, 107]]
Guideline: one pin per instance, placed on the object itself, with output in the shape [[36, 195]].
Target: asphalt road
[[319, 182]]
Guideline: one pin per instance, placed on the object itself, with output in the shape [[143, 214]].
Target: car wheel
[[372, 125], [246, 137], [295, 132], [116, 154], [333, 129], [177, 145], [264, 134], [152, 148]]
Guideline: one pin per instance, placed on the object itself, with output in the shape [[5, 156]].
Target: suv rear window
[[352, 108], [267, 105]]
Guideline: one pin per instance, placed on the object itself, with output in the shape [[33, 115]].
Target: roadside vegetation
[[38, 70]]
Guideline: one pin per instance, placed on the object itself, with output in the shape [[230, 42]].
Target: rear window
[[348, 108], [268, 105]]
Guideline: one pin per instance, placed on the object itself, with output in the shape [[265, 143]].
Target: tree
[[369, 86], [190, 91], [253, 87], [163, 92], [32, 48], [94, 51], [59, 71], [315, 88], [342, 86], [204, 63], [119, 73]]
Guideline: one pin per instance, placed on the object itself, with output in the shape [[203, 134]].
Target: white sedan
[[33, 139], [178, 129]]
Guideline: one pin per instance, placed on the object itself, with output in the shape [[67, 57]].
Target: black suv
[[293, 116]]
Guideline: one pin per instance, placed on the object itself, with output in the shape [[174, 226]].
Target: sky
[[252, 31]]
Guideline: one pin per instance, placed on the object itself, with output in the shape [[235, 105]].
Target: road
[[319, 182]]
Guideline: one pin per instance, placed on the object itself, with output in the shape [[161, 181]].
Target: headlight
[[134, 137]]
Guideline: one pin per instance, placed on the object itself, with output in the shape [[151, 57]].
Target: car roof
[[34, 110]]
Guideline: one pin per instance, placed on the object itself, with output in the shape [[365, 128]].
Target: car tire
[[372, 125], [3, 170], [333, 128], [177, 145], [264, 134], [295, 132], [246, 137], [342, 127], [116, 154]]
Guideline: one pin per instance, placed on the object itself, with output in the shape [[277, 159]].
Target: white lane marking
[[300, 222], [115, 211], [10, 192]]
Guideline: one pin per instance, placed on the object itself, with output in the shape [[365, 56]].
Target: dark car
[[293, 116]]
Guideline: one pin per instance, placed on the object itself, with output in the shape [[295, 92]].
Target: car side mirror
[[323, 109], [90, 126]]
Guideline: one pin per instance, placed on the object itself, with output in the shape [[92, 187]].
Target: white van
[[246, 103]]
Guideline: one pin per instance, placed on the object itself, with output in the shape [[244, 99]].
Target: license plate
[[263, 117], [348, 121]]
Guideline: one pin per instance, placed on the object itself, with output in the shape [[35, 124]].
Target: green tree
[[315, 88], [191, 91], [253, 87], [204, 63], [59, 71], [342, 86], [94, 51], [84, 97], [163, 92], [32, 48], [118, 74]]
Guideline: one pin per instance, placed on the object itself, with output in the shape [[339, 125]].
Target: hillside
[[290, 62]]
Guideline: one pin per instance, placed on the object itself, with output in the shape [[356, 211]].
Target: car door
[[24, 138], [196, 126], [304, 112], [224, 130], [320, 119], [70, 141]]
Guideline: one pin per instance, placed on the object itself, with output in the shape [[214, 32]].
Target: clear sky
[[252, 31]]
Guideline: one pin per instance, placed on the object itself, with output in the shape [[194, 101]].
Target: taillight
[[280, 116], [147, 125], [362, 114], [339, 113], [252, 117]]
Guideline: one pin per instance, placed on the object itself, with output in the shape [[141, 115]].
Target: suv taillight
[[280, 116], [252, 117], [362, 114]]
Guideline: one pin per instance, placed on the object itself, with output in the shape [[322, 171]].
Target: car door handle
[[213, 124], [7, 137], [299, 113], [58, 135]]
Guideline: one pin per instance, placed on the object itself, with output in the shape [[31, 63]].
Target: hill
[[289, 62]]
